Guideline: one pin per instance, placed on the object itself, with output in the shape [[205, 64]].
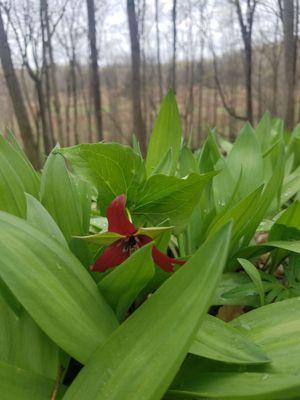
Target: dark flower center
[[130, 244]]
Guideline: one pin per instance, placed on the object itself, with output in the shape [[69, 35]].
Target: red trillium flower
[[127, 239]]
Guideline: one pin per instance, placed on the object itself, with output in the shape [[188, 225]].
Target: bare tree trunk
[[138, 123], [46, 70], [74, 94], [86, 102], [52, 72], [47, 135], [290, 53], [259, 89], [15, 93], [215, 107], [67, 111], [159, 74], [200, 110], [246, 26], [32, 112], [95, 78], [200, 86], [173, 66], [144, 63], [191, 96]]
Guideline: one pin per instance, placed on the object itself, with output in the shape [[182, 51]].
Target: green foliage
[[154, 340], [230, 211], [112, 168], [166, 135], [45, 277], [219, 341], [122, 286]]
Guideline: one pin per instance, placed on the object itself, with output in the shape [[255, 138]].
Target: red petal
[[118, 221], [142, 240], [163, 261], [112, 256]]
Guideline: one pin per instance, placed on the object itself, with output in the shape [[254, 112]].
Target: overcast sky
[[219, 25]]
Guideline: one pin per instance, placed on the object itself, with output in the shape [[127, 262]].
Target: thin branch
[[227, 107]]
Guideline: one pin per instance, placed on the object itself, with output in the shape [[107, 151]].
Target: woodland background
[[76, 71]]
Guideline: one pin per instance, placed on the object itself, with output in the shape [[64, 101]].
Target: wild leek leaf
[[219, 341], [166, 135], [54, 288], [255, 277], [142, 356], [121, 287]]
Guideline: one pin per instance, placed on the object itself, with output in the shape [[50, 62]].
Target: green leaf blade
[[166, 135], [54, 288], [154, 340]]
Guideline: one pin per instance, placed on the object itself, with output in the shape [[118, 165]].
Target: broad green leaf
[[25, 345], [143, 355], [38, 217], [287, 226], [166, 134], [15, 144], [229, 282], [245, 161], [84, 192], [23, 169], [255, 277], [193, 384], [271, 191], [219, 341], [225, 145], [225, 186], [121, 287], [165, 165], [112, 168], [254, 251], [210, 153], [248, 295], [239, 214], [154, 232], [54, 288], [19, 384], [59, 195], [263, 132], [276, 328], [105, 238], [12, 191], [167, 197], [290, 187], [136, 145], [102, 238], [187, 162], [9, 298], [293, 146]]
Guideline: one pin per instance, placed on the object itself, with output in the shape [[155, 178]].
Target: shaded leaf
[[54, 288], [143, 355], [121, 287], [166, 135]]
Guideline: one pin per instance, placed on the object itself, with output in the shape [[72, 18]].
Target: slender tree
[[174, 46], [48, 32], [27, 32], [94, 74], [246, 27], [290, 27], [138, 122], [159, 73], [15, 92]]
